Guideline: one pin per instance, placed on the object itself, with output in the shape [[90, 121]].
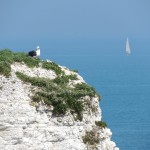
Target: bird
[[35, 53]]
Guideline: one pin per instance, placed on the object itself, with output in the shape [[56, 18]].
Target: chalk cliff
[[62, 116]]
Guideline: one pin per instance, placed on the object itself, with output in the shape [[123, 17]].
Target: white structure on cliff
[[35, 53], [38, 51]]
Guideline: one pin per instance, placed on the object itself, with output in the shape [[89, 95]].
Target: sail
[[128, 50]]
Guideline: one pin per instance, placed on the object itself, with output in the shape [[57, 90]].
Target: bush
[[6, 55], [101, 124], [85, 89], [31, 62], [5, 68], [60, 97], [60, 109], [37, 98], [19, 57], [52, 66], [64, 79], [90, 138], [75, 71], [36, 81]]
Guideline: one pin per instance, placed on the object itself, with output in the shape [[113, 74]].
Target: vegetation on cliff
[[93, 137], [7, 57], [53, 92], [60, 96]]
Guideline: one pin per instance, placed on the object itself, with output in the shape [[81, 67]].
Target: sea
[[122, 80]]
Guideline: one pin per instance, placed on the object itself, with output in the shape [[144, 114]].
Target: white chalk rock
[[23, 127]]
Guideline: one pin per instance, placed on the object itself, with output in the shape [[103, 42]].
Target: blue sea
[[122, 80]]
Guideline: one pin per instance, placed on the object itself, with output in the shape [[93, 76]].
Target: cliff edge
[[44, 106]]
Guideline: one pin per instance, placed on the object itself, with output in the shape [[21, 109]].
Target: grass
[[7, 57], [5, 68], [65, 79], [52, 66]]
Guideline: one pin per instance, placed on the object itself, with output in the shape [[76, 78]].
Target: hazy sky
[[39, 20]]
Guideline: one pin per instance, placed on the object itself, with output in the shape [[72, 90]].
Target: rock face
[[25, 125]]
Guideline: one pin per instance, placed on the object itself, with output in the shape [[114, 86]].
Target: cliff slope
[[44, 106]]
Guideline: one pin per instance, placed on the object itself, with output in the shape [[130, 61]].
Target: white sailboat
[[128, 50]]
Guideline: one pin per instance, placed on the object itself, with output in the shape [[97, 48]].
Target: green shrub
[[36, 81], [23, 77], [85, 89], [5, 68], [6, 55], [101, 124], [64, 79], [73, 102], [31, 62], [60, 97], [37, 98], [75, 71], [53, 66], [19, 57], [90, 138], [61, 80], [73, 77], [60, 109]]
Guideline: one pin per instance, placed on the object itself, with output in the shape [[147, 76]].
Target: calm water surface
[[124, 84]]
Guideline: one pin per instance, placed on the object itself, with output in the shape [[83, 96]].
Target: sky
[[34, 22]]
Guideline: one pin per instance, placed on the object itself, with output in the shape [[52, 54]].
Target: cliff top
[[58, 86]]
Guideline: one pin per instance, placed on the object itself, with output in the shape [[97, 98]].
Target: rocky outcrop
[[26, 125]]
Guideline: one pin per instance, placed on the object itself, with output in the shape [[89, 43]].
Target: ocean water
[[123, 82]]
